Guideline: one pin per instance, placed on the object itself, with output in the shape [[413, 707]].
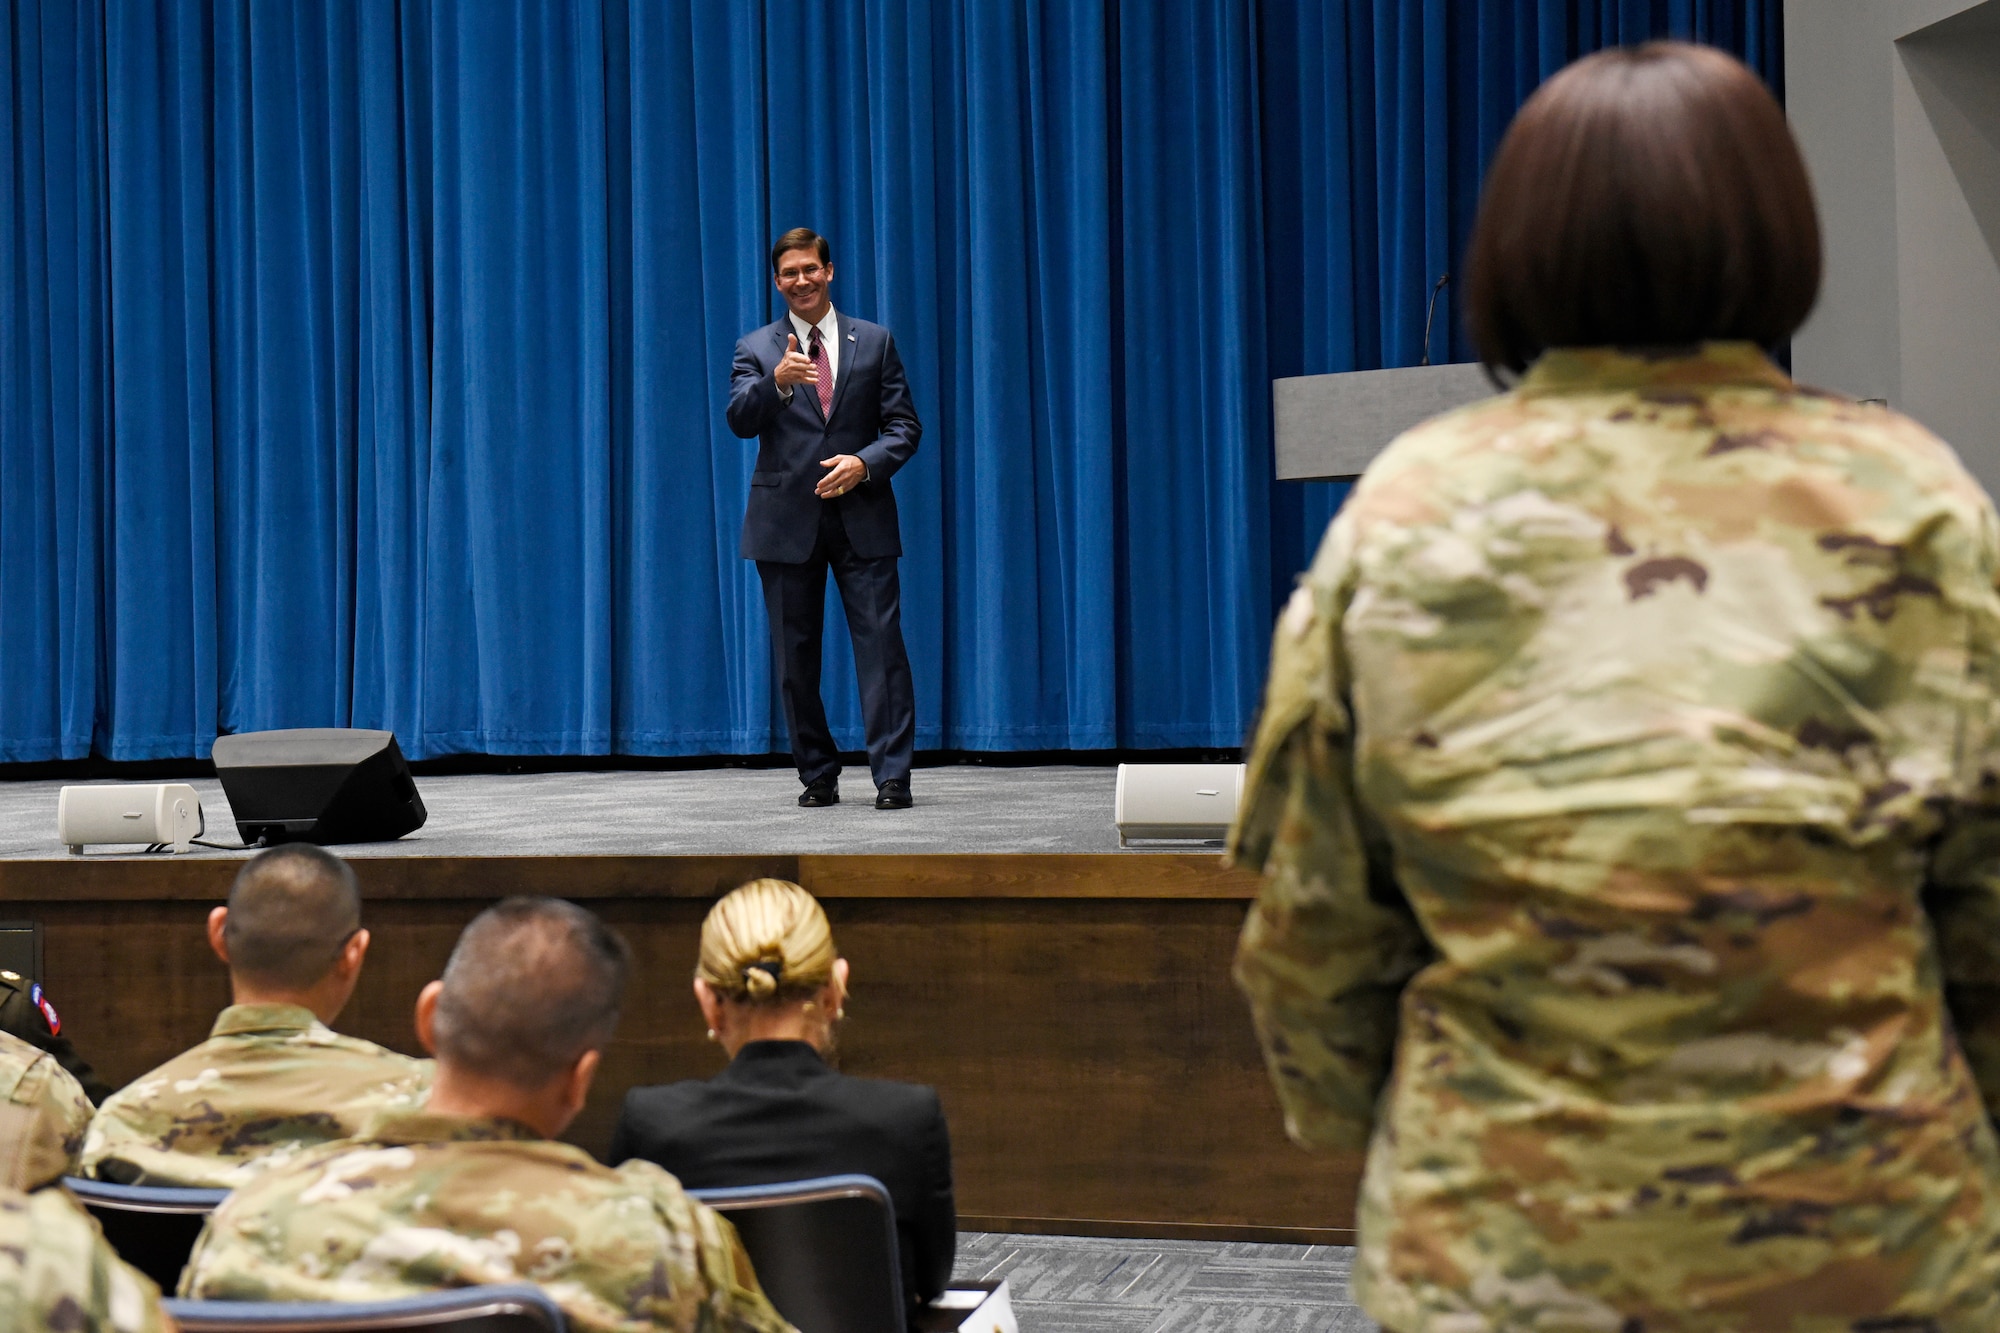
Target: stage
[[1070, 1001], [963, 808]]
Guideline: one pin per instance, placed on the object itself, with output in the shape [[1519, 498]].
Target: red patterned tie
[[817, 351]]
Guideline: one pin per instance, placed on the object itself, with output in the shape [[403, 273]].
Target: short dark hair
[[1644, 196], [800, 238], [532, 984], [290, 911]]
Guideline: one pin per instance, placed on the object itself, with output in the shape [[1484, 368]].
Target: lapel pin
[[850, 337]]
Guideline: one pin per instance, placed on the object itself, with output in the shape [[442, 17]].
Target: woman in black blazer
[[772, 989]]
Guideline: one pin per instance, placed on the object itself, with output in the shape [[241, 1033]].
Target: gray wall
[[1897, 106]]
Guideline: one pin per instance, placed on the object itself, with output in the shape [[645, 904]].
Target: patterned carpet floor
[[1072, 1284]]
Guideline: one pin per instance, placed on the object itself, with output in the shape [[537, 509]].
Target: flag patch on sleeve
[[41, 1002]]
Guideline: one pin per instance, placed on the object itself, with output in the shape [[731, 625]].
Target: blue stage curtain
[[393, 372], [276, 101], [55, 397], [362, 362], [690, 660], [164, 580], [1195, 561]]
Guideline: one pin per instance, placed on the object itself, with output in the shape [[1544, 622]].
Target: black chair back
[[152, 1227], [825, 1250], [515, 1308]]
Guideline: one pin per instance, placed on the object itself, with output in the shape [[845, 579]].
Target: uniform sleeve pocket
[[765, 478], [1267, 783], [1302, 711]]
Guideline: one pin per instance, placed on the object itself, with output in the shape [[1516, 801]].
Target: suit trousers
[[871, 594]]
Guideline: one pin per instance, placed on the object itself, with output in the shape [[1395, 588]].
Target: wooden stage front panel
[[1075, 1012]]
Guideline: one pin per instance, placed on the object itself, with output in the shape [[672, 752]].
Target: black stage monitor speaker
[[318, 784]]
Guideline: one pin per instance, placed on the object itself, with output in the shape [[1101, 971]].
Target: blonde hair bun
[[766, 940]]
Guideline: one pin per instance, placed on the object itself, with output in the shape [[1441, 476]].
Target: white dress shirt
[[829, 336], [829, 341]]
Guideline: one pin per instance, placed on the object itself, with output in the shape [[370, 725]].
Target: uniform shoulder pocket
[[27, 1085], [1303, 721]]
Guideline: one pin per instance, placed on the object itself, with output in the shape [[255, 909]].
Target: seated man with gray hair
[[272, 1079], [473, 1189]]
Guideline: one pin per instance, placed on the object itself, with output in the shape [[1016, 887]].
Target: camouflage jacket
[[270, 1082], [421, 1201], [57, 1274], [28, 1013], [43, 1116], [1628, 792]]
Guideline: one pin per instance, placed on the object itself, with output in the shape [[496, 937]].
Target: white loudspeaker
[[128, 812], [1177, 802]]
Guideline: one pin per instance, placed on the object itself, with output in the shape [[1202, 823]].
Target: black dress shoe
[[893, 795], [826, 791]]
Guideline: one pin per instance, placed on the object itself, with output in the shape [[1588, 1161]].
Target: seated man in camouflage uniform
[[45, 1116], [473, 1189], [57, 1273], [272, 1080]]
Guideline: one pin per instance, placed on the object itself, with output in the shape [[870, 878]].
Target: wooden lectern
[[1330, 426]]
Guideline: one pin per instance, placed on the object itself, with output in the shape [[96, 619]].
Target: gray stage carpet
[[1071, 1284], [961, 808]]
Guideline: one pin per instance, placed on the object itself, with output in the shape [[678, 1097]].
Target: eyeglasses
[[807, 274]]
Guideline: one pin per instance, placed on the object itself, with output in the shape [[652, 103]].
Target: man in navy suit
[[826, 398]]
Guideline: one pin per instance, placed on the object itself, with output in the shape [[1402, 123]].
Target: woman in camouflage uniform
[[1628, 785]]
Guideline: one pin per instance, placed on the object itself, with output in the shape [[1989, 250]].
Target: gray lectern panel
[[1332, 426]]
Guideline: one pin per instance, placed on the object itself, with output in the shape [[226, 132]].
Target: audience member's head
[[1647, 196], [768, 968], [291, 933], [528, 1001]]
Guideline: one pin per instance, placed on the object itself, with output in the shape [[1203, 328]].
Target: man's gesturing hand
[[794, 368], [844, 473]]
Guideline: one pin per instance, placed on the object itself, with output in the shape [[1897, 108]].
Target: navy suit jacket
[[872, 418], [779, 1113]]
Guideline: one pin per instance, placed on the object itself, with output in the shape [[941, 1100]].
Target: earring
[[840, 1012], [711, 1034]]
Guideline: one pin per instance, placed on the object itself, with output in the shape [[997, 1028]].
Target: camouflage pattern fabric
[[1628, 791], [43, 1116], [27, 1011], [422, 1201], [57, 1274], [270, 1082]]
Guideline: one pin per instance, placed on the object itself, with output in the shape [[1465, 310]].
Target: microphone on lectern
[[1430, 313]]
